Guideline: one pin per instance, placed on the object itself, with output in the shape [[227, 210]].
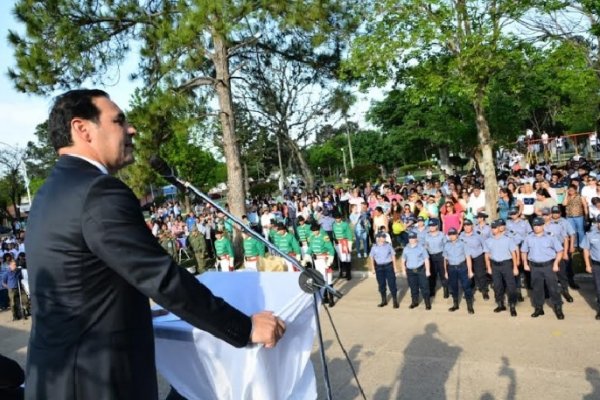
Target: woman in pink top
[[452, 218]]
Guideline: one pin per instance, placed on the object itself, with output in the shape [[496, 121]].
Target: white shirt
[[95, 163], [476, 202], [588, 192]]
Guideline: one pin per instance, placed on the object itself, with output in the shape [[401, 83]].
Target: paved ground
[[419, 354]]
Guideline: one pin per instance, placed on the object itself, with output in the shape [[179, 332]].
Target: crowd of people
[[14, 286], [437, 226]]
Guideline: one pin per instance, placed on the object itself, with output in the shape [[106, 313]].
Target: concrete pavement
[[419, 354]]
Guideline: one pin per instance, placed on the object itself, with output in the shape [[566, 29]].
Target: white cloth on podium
[[202, 367]]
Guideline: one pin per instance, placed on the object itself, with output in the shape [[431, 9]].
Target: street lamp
[[24, 172]]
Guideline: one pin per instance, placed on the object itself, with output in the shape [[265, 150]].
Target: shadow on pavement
[[593, 377], [505, 371], [588, 292]]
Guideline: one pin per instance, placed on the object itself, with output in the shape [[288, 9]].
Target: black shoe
[[395, 301], [598, 316], [331, 301], [415, 304], [567, 296], [454, 306], [537, 312], [558, 312], [513, 310], [383, 301], [573, 285], [428, 304], [520, 298], [500, 308], [486, 296], [446, 292], [470, 307]]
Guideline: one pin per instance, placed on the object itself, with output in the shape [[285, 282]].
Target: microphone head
[[160, 166]]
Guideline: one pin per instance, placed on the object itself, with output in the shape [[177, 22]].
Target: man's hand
[[555, 268], [588, 269], [526, 267], [267, 329], [566, 256]]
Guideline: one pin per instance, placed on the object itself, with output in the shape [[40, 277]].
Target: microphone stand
[[310, 279]]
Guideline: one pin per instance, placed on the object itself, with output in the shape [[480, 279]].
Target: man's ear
[[80, 130]]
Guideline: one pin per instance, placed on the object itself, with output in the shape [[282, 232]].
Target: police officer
[[421, 230], [287, 243], [542, 253], [415, 265], [591, 256], [458, 267], [515, 238], [321, 251], [434, 244], [482, 227], [501, 263], [224, 252], [383, 264], [197, 243], [343, 245], [253, 251], [520, 228], [559, 231], [565, 275], [474, 247]]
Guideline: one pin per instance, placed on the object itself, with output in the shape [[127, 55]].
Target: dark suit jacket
[[93, 264]]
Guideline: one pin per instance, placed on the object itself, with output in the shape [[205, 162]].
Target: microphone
[[163, 169]]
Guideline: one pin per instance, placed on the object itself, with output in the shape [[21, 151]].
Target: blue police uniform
[[414, 259], [566, 275], [591, 242], [484, 230], [520, 228], [435, 246], [500, 249], [474, 246], [455, 253], [561, 232], [421, 234], [382, 255], [541, 252]]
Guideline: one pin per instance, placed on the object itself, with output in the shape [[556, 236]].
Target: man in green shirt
[[253, 250], [197, 243], [224, 251], [169, 243], [303, 232], [322, 252], [287, 243], [343, 239]]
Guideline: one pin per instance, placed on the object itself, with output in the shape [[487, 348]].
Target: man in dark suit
[[93, 264]]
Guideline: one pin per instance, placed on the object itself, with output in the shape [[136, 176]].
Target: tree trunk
[[444, 154], [235, 178], [304, 168], [487, 164]]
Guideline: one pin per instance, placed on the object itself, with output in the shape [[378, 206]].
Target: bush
[[407, 168], [427, 164], [458, 161], [363, 173], [263, 189]]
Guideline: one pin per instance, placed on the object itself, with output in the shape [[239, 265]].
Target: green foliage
[[364, 173], [40, 157], [406, 168], [263, 189], [427, 164]]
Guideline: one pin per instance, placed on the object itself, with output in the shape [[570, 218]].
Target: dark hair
[[69, 105], [543, 192]]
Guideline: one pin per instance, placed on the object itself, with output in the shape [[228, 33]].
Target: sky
[[20, 113]]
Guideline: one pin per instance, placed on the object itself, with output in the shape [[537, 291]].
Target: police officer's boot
[[558, 311], [486, 295], [427, 303], [454, 305], [383, 300], [520, 295], [415, 304], [446, 292], [598, 314], [470, 308], [513, 310], [537, 312], [500, 307], [567, 296], [395, 300]]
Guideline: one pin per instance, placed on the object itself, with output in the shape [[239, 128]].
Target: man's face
[[468, 228], [476, 192], [112, 137]]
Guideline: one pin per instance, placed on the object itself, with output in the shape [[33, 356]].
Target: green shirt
[[287, 243], [223, 247], [197, 243], [170, 245], [253, 248], [320, 244], [341, 230], [303, 232]]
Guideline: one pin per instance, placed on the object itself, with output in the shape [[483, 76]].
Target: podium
[[202, 367]]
